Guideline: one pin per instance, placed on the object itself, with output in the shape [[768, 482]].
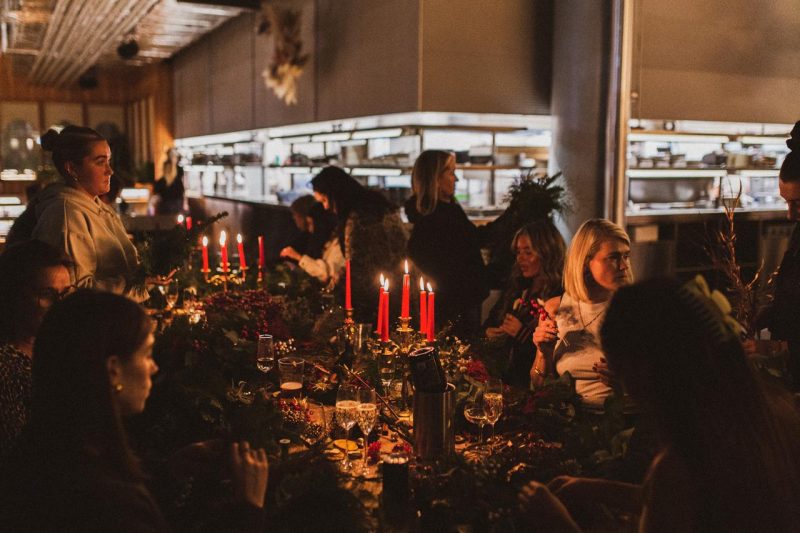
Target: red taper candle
[[431, 329], [205, 253], [240, 247], [223, 246], [423, 307], [348, 297], [404, 304]]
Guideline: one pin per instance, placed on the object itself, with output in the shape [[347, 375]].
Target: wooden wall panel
[[726, 60], [192, 90], [231, 76], [113, 114], [367, 57], [58, 113], [486, 57]]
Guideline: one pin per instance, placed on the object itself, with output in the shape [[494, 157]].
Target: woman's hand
[[544, 511], [511, 325], [250, 472], [160, 280], [545, 335], [604, 373], [494, 333], [291, 253]]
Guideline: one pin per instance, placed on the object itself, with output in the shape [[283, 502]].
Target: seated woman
[[73, 469], [539, 249], [370, 233], [328, 268], [729, 456], [71, 217], [33, 275], [444, 244], [597, 264]]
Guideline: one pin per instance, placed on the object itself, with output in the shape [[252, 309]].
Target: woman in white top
[[71, 217], [328, 268], [597, 264]]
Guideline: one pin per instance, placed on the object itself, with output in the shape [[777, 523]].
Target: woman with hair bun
[[71, 217], [783, 318]]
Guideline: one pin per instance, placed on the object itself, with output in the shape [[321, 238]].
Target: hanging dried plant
[[288, 60]]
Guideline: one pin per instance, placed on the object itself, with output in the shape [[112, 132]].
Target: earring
[[118, 388]]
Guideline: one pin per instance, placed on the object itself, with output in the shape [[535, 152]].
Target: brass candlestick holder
[[406, 339], [206, 272]]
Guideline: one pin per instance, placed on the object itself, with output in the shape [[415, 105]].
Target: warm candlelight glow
[[382, 280], [205, 240], [222, 238], [239, 238], [430, 289], [421, 284], [180, 219], [406, 265], [386, 285]]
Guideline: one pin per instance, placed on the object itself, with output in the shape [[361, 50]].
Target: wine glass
[[170, 292], [367, 416], [387, 367], [317, 425], [346, 417], [493, 404], [474, 414], [265, 358]]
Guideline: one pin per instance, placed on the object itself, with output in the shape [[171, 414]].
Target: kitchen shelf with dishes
[[703, 166], [275, 165]]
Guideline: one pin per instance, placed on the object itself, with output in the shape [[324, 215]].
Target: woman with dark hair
[[73, 469], [444, 244], [729, 456], [327, 268], [370, 233], [33, 275], [536, 277], [71, 217], [783, 318]]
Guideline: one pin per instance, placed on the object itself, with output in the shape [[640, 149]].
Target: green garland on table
[[162, 252]]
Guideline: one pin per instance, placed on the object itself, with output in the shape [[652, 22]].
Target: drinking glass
[[367, 417], [291, 376], [170, 292], [265, 358], [346, 417], [474, 414], [386, 365], [493, 404], [317, 425]]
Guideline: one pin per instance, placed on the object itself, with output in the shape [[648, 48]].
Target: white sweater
[[91, 234], [329, 267]]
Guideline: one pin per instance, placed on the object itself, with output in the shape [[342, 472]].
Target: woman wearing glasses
[[33, 275]]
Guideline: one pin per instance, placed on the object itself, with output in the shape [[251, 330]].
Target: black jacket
[[445, 246]]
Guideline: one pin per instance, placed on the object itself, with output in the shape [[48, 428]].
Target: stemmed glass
[[493, 404], [474, 414], [170, 293], [317, 424], [346, 417], [265, 358], [367, 416]]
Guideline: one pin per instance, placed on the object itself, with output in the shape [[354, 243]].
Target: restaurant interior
[[666, 121]]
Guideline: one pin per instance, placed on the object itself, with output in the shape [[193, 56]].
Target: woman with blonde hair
[[597, 264], [539, 249], [444, 244]]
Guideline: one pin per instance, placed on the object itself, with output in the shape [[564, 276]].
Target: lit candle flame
[[180, 219], [239, 238], [421, 284], [205, 240], [382, 278], [406, 264], [386, 285], [222, 238], [430, 289]]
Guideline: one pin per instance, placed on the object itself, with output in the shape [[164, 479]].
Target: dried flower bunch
[[288, 60]]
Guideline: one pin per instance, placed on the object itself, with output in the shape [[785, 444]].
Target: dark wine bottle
[[426, 370]]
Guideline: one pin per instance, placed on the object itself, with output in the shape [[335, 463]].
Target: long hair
[[586, 242], [71, 145], [73, 412], [347, 196], [549, 245], [790, 168], [425, 178], [20, 267], [674, 353]]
